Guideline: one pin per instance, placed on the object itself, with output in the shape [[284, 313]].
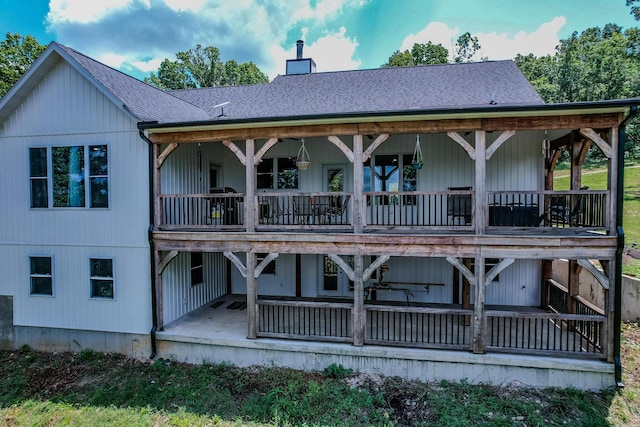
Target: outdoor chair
[[338, 209], [459, 207], [563, 212]]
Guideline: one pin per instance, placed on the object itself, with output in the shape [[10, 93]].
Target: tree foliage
[[420, 53], [17, 53], [202, 67], [635, 10], [467, 46], [597, 64]]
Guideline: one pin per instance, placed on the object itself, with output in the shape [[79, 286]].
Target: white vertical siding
[[518, 284], [179, 296], [66, 109]]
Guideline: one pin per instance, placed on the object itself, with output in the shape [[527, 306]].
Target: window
[[280, 173], [391, 173], [41, 275], [71, 185], [101, 278], [270, 268], [197, 268], [38, 174]]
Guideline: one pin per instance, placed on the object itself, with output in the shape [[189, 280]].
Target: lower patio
[[395, 343]]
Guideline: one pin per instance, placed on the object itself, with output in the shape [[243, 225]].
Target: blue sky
[[136, 35]]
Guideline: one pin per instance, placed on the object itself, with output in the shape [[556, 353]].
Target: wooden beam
[[342, 146], [375, 144], [481, 200], [374, 266], [359, 216], [236, 150], [166, 260], [237, 262], [463, 143], [252, 296], [167, 151], [159, 314], [468, 274], [599, 275], [479, 316], [264, 263], [493, 273], [359, 315], [601, 143], [263, 150], [504, 136], [343, 265], [549, 122]]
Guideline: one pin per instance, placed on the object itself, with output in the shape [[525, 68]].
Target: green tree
[[467, 47], [635, 10], [420, 53], [202, 67], [17, 53]]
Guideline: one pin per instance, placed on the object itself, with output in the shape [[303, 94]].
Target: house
[[397, 220]]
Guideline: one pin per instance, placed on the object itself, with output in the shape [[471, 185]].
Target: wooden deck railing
[[410, 211], [307, 320], [543, 333], [579, 208], [421, 209], [418, 327]]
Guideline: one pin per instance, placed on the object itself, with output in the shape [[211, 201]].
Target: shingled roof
[[434, 87], [360, 92]]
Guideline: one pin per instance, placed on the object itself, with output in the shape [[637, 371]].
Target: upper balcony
[[578, 212]]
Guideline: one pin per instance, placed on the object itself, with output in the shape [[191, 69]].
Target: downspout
[[154, 307], [617, 315]]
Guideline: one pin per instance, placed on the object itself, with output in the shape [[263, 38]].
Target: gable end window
[[69, 177], [101, 278], [41, 275]]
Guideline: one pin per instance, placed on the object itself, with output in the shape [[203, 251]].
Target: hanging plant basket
[[418, 161], [302, 159]]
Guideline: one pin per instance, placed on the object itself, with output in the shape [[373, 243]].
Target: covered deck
[[217, 333]]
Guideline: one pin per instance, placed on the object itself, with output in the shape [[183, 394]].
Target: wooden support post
[[574, 286], [252, 295], [479, 317], [298, 275], [358, 186], [466, 292], [612, 199], [607, 333], [358, 301], [157, 211], [547, 273], [158, 296], [482, 202], [250, 183]]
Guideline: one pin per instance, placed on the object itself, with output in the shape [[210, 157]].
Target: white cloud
[[493, 45], [82, 11], [142, 33], [436, 33], [541, 42]]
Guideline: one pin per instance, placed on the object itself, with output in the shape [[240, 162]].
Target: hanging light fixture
[[302, 159], [546, 145], [417, 160]]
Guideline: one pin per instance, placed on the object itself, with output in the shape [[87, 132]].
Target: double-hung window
[[101, 278], [69, 176], [280, 173], [41, 275]]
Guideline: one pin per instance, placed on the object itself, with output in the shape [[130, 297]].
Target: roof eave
[[494, 111]]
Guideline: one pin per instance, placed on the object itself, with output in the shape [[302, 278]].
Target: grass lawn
[[597, 180], [89, 389]]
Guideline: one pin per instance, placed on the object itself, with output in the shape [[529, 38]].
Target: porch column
[[481, 204], [358, 186], [157, 214], [358, 301], [613, 164], [479, 318], [159, 320], [250, 190], [252, 295]]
